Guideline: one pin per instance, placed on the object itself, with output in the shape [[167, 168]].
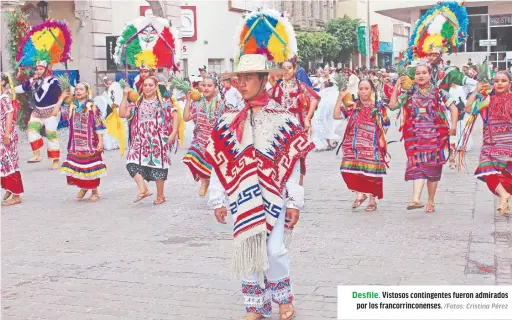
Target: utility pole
[[368, 40]]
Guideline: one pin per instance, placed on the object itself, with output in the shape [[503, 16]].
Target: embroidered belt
[[422, 110], [44, 112]]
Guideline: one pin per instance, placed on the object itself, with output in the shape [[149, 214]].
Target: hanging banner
[[374, 31], [361, 40]]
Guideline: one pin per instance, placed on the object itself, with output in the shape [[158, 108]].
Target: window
[[477, 10], [477, 30], [407, 32], [504, 40], [215, 65]]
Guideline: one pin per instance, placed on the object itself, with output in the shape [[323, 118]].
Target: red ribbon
[[238, 123]]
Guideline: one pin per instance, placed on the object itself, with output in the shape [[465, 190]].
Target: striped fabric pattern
[[197, 164], [84, 166]]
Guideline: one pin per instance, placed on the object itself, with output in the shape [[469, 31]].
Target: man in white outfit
[[264, 143], [231, 95]]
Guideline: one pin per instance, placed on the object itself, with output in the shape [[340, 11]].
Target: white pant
[[277, 277]]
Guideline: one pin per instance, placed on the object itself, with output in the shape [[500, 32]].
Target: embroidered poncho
[[253, 166]]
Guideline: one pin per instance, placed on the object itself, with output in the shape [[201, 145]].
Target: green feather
[[133, 47], [447, 31]]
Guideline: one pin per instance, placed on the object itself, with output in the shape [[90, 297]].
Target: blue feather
[[29, 54], [261, 32]]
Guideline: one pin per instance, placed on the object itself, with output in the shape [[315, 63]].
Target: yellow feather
[[279, 51], [147, 57], [43, 40]]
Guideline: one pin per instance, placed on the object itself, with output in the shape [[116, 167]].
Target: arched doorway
[[156, 7]]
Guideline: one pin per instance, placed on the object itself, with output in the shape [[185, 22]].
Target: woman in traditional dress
[[425, 132], [10, 170], [154, 129], [84, 164], [364, 144], [204, 113], [495, 167], [297, 98]]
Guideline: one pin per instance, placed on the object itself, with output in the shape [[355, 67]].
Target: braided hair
[[217, 84]]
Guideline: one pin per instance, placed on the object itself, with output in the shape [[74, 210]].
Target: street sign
[[488, 42]]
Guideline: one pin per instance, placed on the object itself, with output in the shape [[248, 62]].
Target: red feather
[[164, 50]]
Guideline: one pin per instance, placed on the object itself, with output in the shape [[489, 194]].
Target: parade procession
[[275, 180]]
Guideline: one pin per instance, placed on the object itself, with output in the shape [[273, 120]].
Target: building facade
[[393, 33], [309, 15], [488, 20], [90, 23]]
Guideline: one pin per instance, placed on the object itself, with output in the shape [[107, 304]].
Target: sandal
[[34, 160], [159, 201], [143, 195], [287, 314], [252, 316], [7, 195], [357, 203], [372, 206], [430, 208], [504, 207], [11, 202], [55, 164], [415, 205], [94, 197], [81, 194]]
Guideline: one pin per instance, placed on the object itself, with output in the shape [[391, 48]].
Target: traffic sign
[[488, 42]]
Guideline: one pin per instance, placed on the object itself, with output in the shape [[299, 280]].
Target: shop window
[[503, 38], [477, 10], [477, 30], [215, 65]]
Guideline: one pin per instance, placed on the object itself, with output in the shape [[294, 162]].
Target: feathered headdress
[[45, 44], [265, 37], [443, 29], [148, 42]]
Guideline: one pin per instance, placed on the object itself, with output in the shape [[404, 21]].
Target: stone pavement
[[63, 259]]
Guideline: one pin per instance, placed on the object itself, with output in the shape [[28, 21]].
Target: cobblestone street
[[63, 259]]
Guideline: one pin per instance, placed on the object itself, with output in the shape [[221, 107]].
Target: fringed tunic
[[425, 132], [495, 165], [364, 148], [84, 165], [205, 115], [9, 157], [150, 128]]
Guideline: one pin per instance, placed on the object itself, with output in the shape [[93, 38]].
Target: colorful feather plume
[[266, 32], [149, 41], [442, 29], [49, 41]]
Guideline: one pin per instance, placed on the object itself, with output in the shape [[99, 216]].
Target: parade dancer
[[153, 130], [425, 132], [84, 164], [297, 98], [442, 29], [264, 143], [9, 170], [364, 144], [145, 72], [231, 94], [495, 165], [205, 114], [46, 91]]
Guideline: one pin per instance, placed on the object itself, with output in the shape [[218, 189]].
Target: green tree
[[344, 29], [317, 45]]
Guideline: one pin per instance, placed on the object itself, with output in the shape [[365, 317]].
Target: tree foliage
[[344, 30], [314, 45]]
